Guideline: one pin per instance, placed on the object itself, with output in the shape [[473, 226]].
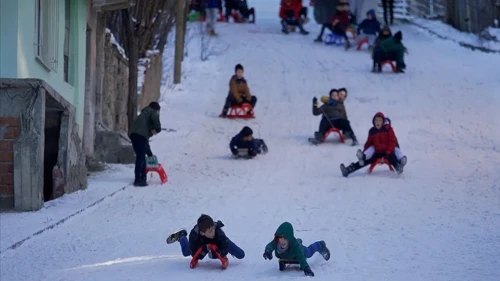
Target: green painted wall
[[8, 38], [29, 67]]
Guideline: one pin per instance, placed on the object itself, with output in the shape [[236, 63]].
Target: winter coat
[[370, 27], [147, 121], [323, 10], [292, 5], [390, 45], [294, 250], [343, 19], [383, 140], [196, 241], [238, 88], [212, 4], [237, 142], [331, 111]]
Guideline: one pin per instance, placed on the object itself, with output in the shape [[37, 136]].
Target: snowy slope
[[440, 221]]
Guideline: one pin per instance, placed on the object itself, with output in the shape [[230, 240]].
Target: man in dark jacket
[[144, 127]]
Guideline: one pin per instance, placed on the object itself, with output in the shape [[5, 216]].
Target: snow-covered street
[[439, 221]]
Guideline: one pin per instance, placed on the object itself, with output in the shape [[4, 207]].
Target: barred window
[[46, 33]]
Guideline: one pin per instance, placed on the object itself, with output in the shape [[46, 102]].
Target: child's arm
[[247, 92], [317, 111], [233, 146], [195, 243], [221, 242], [391, 142], [369, 141], [271, 246], [361, 26]]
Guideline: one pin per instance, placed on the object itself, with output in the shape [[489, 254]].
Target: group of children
[[383, 45], [208, 238], [212, 8]]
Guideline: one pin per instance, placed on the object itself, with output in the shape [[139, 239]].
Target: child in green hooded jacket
[[286, 246]]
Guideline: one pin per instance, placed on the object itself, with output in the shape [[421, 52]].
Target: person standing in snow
[[388, 5], [211, 10], [383, 139], [206, 232], [286, 246], [146, 125]]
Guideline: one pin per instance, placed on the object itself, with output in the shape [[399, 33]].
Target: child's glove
[[268, 254], [308, 271], [315, 101]]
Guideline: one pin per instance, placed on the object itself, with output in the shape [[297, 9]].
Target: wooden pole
[[184, 27], [179, 44]]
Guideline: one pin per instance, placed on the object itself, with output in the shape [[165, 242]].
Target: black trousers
[[337, 29], [388, 5], [379, 56], [303, 13], [231, 101], [342, 124], [141, 146], [393, 160]]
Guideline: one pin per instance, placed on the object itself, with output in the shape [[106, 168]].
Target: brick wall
[[9, 132]]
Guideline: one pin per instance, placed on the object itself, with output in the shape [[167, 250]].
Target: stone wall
[[115, 88], [9, 132]]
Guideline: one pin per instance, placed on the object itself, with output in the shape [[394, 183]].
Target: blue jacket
[[212, 4], [371, 27], [238, 142]]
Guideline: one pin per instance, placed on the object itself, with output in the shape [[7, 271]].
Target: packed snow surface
[[438, 221]]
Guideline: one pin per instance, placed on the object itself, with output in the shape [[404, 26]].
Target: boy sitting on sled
[[286, 246], [383, 139], [206, 237], [334, 115], [245, 145], [239, 92]]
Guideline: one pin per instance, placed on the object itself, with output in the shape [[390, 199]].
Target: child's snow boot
[[176, 236], [347, 45], [324, 251], [318, 40], [318, 136], [361, 157], [140, 182], [402, 163], [263, 147], [349, 169]]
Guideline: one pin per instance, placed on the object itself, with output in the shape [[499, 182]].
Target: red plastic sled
[[380, 161], [213, 248], [361, 42], [391, 63], [341, 137], [240, 112], [161, 172]]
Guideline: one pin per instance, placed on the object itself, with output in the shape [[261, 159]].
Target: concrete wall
[[22, 112], [17, 21]]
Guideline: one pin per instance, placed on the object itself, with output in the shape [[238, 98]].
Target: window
[[66, 39], [46, 33]]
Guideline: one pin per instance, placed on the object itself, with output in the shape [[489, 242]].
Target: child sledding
[[381, 144], [289, 250], [239, 96], [206, 238], [244, 145], [334, 115], [291, 14]]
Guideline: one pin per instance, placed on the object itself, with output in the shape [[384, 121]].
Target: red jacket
[[383, 139], [293, 5], [343, 18]]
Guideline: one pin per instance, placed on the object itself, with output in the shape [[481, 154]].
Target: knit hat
[[246, 131], [154, 105]]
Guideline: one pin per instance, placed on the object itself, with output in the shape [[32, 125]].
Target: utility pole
[[179, 40]]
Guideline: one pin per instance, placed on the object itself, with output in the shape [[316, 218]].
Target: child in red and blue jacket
[[383, 139], [338, 24]]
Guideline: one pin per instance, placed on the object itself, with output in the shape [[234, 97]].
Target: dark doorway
[[51, 150]]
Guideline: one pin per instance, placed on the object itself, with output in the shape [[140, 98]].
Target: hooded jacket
[[237, 142], [369, 27], [384, 139], [290, 5], [294, 250], [196, 240], [147, 121], [330, 110], [394, 45]]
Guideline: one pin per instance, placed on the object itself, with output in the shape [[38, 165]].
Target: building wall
[[24, 56]]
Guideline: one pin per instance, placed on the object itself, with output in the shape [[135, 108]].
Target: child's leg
[[369, 152], [311, 249], [339, 30], [234, 250], [398, 153], [371, 39], [186, 250]]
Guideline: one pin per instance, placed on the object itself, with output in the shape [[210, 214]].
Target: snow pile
[[448, 32]]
